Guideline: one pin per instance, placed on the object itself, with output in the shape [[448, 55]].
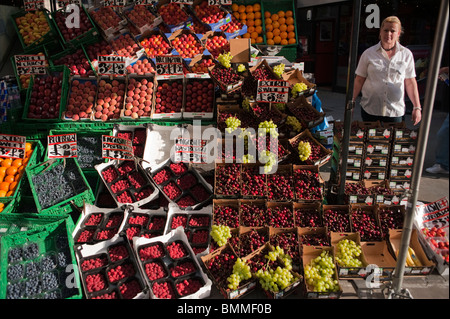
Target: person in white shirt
[[384, 72]]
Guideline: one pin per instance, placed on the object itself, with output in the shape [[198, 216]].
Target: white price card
[[114, 3], [190, 150], [12, 146], [274, 91], [220, 2], [30, 64], [111, 65], [117, 148], [169, 65], [64, 3], [145, 2], [33, 5], [62, 146], [188, 2]]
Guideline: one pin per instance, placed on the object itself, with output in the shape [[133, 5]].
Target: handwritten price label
[[169, 65], [33, 5], [183, 2], [64, 3], [272, 91], [220, 2], [145, 2], [114, 3], [117, 148], [30, 64], [111, 65], [62, 146], [12, 146], [189, 150]]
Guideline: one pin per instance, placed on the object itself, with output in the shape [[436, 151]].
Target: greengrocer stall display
[[99, 138]]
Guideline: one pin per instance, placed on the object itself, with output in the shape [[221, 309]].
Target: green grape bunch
[[241, 68], [225, 59], [298, 88], [268, 127], [320, 273], [279, 70], [232, 123], [241, 272], [294, 123], [304, 150], [269, 158], [348, 253], [220, 234]]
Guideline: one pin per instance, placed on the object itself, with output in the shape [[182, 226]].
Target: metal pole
[[430, 93], [349, 105]]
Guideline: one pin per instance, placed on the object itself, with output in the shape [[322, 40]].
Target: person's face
[[389, 34]]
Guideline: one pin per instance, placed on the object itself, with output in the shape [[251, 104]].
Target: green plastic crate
[[91, 33], [274, 7], [45, 239], [49, 37], [64, 92], [251, 2], [9, 205], [79, 186], [35, 158]]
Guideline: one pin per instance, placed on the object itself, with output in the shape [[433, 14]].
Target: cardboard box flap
[[377, 253], [240, 50]]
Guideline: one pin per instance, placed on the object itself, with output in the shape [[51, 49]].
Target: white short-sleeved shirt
[[384, 89]]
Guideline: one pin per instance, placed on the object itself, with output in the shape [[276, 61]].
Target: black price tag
[[220, 2], [30, 64], [114, 3], [145, 2], [12, 146], [272, 91], [62, 146], [111, 65], [117, 148], [33, 5], [169, 65]]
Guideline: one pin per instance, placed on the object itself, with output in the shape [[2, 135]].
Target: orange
[[288, 14], [234, 7], [284, 42], [243, 16], [277, 39], [281, 21], [267, 14], [275, 17], [252, 41], [254, 35], [3, 170], [250, 16], [269, 27], [291, 35], [2, 193], [292, 41], [4, 186], [258, 22], [270, 42], [276, 25], [290, 28], [241, 8], [6, 162], [249, 8], [259, 29], [9, 178], [276, 32], [28, 146], [246, 35], [12, 170], [12, 186], [290, 20], [236, 15], [283, 35], [281, 14], [268, 21], [283, 27], [269, 35], [258, 15], [10, 193], [250, 23], [259, 40], [256, 7], [250, 29], [17, 162], [243, 21]]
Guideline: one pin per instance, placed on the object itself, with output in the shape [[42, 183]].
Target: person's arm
[[357, 86], [413, 94]]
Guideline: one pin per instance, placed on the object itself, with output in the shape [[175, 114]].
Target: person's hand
[[416, 116]]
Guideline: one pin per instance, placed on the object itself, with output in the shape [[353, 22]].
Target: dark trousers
[[366, 117]]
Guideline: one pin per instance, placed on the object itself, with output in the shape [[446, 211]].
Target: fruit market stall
[[163, 156]]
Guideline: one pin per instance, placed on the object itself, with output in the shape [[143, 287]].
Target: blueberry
[[33, 286], [15, 272], [31, 251], [32, 269], [48, 262], [15, 290], [49, 281], [15, 254]]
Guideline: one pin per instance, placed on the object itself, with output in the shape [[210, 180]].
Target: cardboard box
[[375, 132], [305, 112], [346, 271], [400, 173], [272, 207], [214, 26], [313, 236], [190, 77], [398, 210], [318, 194], [400, 185], [402, 160], [325, 154], [164, 115], [219, 194], [377, 148], [293, 248], [358, 198], [244, 289], [314, 208], [233, 204], [310, 253], [375, 173], [296, 76], [251, 221], [252, 167], [395, 238], [343, 211], [370, 211], [376, 161], [404, 148], [240, 50], [377, 253]]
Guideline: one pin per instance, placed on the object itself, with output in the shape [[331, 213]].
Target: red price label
[[12, 146]]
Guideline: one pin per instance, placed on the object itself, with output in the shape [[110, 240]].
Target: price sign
[[117, 148], [111, 65], [220, 2], [12, 146], [189, 150], [33, 5], [183, 2], [64, 3], [169, 65], [275, 91], [145, 2], [30, 64], [62, 146], [114, 3]]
